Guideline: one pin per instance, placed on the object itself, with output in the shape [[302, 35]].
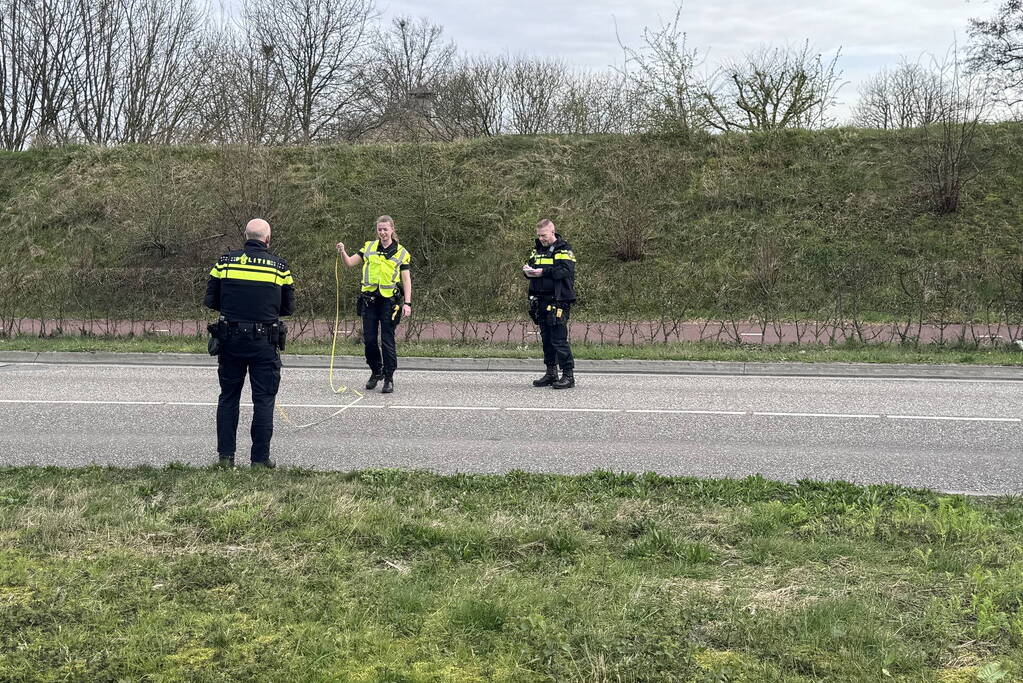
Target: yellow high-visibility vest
[[380, 273]]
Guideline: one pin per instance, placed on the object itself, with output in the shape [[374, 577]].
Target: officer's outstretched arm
[[350, 260]]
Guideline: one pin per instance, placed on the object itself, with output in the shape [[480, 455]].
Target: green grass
[[868, 353], [384, 575]]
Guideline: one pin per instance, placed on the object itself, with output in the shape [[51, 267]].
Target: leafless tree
[[773, 88], [97, 106], [35, 59], [946, 156], [19, 85], [139, 68], [535, 91], [244, 97], [162, 68], [317, 49], [906, 97], [663, 74], [472, 101], [598, 103], [997, 49], [55, 25], [410, 62]]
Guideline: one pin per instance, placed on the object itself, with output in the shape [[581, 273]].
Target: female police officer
[[382, 302]]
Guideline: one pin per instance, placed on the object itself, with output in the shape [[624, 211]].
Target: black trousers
[[378, 335], [554, 335], [243, 354]]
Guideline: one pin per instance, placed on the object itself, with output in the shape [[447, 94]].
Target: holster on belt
[[363, 302], [534, 309], [279, 334], [218, 332], [555, 314]]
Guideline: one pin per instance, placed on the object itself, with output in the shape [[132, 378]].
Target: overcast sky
[[870, 33]]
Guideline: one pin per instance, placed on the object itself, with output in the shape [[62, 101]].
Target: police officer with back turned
[[252, 288], [550, 270]]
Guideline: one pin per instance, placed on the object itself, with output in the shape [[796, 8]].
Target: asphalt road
[[946, 434]]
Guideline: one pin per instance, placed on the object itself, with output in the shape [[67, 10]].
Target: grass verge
[[385, 575], [868, 353]]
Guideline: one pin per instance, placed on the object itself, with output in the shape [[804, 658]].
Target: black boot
[[550, 378], [388, 385], [567, 381], [371, 383], [267, 464], [225, 460]]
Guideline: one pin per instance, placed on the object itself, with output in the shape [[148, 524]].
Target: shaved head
[[257, 229], [545, 232]]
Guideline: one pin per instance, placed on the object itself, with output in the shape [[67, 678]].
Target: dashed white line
[[542, 409], [954, 418], [546, 409], [678, 411], [86, 403], [853, 416], [483, 408]]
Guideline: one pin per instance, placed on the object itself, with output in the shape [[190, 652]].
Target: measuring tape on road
[[340, 389]]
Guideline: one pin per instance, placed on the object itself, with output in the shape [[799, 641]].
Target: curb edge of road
[[624, 366]]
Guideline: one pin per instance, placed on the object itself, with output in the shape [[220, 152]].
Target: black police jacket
[[251, 284], [558, 264]]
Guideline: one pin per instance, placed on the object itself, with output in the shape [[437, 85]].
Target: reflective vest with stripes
[[252, 269], [380, 273]]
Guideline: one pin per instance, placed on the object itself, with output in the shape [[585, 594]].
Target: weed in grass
[[997, 603], [838, 637], [654, 541], [477, 615], [559, 541]]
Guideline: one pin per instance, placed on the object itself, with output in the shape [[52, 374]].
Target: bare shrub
[[905, 97], [946, 156], [771, 89]]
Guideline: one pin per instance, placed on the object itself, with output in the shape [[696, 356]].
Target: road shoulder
[[624, 366]]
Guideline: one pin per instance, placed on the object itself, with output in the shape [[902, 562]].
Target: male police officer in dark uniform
[[551, 273], [252, 288]]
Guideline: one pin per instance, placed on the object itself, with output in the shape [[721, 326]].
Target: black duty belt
[[254, 329]]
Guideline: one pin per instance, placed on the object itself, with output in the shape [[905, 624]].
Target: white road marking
[[88, 403], [679, 411], [543, 409], [853, 416], [399, 407], [546, 409], [948, 417]]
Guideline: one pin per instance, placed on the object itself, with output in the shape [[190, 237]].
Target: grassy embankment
[[185, 574], [830, 225]]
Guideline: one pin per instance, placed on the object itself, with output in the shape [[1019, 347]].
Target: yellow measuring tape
[[340, 389]]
